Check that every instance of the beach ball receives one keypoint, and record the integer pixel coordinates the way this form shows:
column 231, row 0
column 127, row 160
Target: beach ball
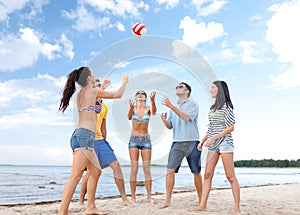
column 139, row 29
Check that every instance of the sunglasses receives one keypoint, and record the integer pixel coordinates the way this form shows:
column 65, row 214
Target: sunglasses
column 97, row 85
column 140, row 93
column 180, row 87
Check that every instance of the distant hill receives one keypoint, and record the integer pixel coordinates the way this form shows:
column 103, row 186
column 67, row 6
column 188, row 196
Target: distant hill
column 267, row 163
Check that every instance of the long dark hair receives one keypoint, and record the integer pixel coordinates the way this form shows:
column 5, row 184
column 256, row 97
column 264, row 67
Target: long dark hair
column 80, row 76
column 223, row 96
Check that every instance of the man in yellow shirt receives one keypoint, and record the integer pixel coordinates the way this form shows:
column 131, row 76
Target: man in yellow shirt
column 105, row 155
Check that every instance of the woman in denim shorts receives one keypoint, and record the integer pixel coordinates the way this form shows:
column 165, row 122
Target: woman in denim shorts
column 140, row 142
column 220, row 143
column 82, row 140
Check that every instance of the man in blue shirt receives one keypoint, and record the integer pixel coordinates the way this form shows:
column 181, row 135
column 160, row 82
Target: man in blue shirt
column 183, row 119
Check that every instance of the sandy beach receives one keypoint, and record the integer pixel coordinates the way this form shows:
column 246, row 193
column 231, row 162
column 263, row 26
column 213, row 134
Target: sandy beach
column 266, row 200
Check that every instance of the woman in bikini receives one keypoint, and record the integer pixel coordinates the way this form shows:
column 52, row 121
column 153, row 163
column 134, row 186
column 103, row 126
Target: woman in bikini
column 82, row 139
column 140, row 142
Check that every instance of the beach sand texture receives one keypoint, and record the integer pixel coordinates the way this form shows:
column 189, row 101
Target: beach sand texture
column 263, row 200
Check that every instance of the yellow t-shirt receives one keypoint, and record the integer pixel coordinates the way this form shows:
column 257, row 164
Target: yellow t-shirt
column 100, row 117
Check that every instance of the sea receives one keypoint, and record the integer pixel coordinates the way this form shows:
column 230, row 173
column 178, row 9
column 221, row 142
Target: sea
column 25, row 184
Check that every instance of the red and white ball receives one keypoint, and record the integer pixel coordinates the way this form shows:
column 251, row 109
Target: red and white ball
column 139, row 29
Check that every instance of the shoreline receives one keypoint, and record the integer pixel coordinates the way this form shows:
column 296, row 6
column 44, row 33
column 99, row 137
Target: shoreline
column 268, row 200
column 175, row 191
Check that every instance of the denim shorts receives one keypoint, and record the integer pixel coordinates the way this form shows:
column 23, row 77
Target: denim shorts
column 104, row 153
column 140, row 142
column 226, row 146
column 187, row 149
column 82, row 138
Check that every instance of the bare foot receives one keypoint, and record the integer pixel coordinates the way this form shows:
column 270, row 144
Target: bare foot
column 165, row 205
column 133, row 199
column 80, row 202
column 198, row 208
column 151, row 200
column 237, row 213
column 126, row 203
column 94, row 211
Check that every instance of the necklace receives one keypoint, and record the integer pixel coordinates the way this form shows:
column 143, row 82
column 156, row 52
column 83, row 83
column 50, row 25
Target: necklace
column 213, row 111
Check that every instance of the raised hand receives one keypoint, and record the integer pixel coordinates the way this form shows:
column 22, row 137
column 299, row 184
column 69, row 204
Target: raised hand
column 152, row 96
column 105, row 84
column 165, row 101
column 131, row 104
column 125, row 78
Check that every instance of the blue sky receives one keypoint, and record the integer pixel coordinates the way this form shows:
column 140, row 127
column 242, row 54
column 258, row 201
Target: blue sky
column 252, row 44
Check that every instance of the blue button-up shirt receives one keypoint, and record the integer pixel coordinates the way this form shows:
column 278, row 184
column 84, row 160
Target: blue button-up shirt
column 182, row 130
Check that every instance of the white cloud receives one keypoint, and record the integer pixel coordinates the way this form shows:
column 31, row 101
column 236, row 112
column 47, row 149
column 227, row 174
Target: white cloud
column 123, row 8
column 118, row 25
column 23, row 50
column 288, row 79
column 249, row 52
column 86, row 21
column 207, row 7
column 35, row 10
column 222, row 57
column 256, row 18
column 169, row 3
column 36, row 89
column 68, row 46
column 143, row 5
column 245, row 148
column 7, row 7
column 227, row 53
column 48, row 116
column 195, row 33
column 30, row 100
column 87, row 13
column 283, row 35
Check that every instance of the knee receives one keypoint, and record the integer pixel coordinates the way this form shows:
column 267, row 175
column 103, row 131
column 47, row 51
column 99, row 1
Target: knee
column 116, row 169
column 134, row 169
column 134, row 165
column 231, row 178
column 115, row 164
column 197, row 176
column 96, row 172
column 75, row 177
column 208, row 175
column 147, row 170
column 170, row 172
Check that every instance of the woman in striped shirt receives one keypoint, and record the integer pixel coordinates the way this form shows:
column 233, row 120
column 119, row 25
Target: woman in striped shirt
column 219, row 142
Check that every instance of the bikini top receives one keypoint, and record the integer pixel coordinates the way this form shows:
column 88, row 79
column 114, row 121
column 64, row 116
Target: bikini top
column 145, row 117
column 96, row 107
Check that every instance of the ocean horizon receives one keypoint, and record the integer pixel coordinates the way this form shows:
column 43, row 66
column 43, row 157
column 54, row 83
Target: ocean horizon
column 26, row 184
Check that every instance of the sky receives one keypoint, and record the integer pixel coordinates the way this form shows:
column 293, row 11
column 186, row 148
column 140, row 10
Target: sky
column 253, row 45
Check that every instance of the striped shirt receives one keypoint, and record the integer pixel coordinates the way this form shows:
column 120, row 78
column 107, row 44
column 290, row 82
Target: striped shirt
column 218, row 122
